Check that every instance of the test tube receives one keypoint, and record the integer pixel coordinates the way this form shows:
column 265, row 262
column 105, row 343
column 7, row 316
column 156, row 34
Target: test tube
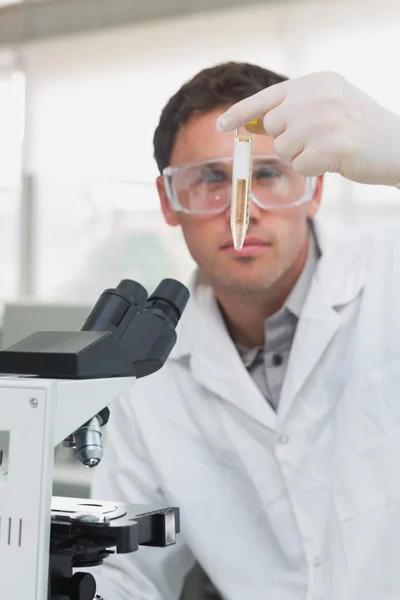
column 241, row 187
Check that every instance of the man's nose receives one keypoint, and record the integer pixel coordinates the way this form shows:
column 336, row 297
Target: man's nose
column 255, row 210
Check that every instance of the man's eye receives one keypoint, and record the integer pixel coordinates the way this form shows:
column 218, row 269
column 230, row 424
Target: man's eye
column 267, row 173
column 212, row 177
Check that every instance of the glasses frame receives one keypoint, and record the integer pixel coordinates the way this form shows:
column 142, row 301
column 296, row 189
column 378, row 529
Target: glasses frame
column 168, row 172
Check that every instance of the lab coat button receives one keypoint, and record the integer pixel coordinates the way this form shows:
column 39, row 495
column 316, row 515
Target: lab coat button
column 283, row 439
column 277, row 360
column 317, row 561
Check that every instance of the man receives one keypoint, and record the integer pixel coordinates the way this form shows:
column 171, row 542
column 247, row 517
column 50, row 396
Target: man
column 275, row 424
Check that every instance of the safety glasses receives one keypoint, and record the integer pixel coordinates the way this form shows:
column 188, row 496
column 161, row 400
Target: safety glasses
column 205, row 187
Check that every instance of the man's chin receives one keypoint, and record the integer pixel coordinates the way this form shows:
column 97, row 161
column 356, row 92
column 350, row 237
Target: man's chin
column 245, row 259
column 242, row 283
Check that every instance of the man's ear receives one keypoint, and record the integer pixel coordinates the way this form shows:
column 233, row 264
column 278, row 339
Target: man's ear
column 170, row 215
column 316, row 201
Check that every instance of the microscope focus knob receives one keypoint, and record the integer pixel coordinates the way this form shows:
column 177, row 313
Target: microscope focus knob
column 82, row 586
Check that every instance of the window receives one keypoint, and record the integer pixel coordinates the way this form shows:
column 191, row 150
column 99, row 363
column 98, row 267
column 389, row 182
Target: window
column 12, row 96
column 90, row 236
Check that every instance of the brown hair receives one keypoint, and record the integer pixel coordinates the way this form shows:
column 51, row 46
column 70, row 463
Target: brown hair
column 217, row 86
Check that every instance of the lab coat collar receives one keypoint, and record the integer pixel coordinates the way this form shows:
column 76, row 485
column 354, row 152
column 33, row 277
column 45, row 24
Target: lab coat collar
column 214, row 360
column 338, row 280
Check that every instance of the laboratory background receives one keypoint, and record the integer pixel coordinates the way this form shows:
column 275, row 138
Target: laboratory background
column 82, row 84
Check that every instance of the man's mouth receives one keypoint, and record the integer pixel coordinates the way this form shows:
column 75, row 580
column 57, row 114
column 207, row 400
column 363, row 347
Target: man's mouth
column 252, row 246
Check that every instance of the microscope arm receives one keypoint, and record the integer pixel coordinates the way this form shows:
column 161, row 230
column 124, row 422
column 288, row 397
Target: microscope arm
column 79, row 400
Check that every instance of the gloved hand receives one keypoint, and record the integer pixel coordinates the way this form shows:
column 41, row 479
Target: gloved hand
column 321, row 123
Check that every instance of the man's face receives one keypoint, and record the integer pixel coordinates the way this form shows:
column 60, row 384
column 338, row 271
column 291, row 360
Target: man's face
column 275, row 238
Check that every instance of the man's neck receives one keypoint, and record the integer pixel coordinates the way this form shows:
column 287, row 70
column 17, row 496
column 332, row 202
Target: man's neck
column 245, row 313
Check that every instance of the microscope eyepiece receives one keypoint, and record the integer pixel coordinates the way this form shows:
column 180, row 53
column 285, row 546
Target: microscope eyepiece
column 114, row 305
column 171, row 297
column 133, row 290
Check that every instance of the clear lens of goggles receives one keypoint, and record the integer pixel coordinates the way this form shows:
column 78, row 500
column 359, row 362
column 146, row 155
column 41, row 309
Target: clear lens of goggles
column 205, row 188
column 309, row 191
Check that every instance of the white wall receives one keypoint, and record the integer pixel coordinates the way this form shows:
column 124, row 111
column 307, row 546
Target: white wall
column 12, row 108
column 94, row 100
column 98, row 99
column 11, row 137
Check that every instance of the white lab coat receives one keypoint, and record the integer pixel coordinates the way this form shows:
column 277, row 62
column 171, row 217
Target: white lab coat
column 299, row 505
